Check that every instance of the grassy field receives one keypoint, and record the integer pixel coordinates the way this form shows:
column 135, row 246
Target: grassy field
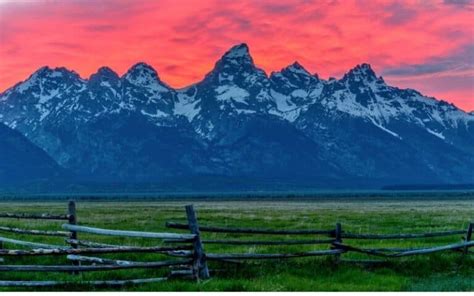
column 446, row 271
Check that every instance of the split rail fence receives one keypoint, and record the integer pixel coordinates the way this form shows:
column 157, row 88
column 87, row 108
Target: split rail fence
column 188, row 257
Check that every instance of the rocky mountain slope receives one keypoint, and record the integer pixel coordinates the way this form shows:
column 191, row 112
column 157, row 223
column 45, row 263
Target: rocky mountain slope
column 20, row 160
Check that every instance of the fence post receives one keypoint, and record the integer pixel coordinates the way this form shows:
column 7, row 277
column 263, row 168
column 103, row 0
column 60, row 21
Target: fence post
column 1, row 247
column 338, row 239
column 72, row 219
column 200, row 269
column 468, row 236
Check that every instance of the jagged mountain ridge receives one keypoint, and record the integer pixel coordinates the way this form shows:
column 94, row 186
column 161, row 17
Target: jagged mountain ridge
column 226, row 124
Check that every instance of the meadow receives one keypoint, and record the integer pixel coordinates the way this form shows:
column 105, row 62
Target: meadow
column 446, row 271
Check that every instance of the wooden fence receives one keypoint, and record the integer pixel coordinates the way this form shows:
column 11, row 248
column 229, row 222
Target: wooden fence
column 188, row 258
column 332, row 237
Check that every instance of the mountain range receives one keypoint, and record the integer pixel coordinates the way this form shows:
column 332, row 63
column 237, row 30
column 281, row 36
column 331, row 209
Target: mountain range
column 239, row 125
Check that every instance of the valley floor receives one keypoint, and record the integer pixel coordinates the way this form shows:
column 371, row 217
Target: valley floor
column 438, row 272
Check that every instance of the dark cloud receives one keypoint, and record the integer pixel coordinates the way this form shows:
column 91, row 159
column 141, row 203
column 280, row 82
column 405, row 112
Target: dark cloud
column 336, row 30
column 336, row 49
column 460, row 60
column 400, row 14
column 288, row 7
column 11, row 50
column 171, row 68
column 81, row 9
column 65, row 45
column 101, row 28
column 460, row 3
column 214, row 23
column 183, row 40
column 277, row 8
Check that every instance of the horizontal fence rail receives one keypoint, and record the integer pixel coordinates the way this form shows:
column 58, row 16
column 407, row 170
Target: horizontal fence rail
column 248, row 230
column 87, row 283
column 69, row 268
column 113, row 261
column 34, row 232
column 178, row 253
column 34, row 216
column 274, row 256
column 402, row 236
column 69, row 251
column 141, row 234
column 89, row 244
column 29, row 244
column 98, row 260
column 266, row 243
column 407, row 252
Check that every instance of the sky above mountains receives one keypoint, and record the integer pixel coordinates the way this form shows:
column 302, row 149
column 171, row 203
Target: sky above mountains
column 426, row 45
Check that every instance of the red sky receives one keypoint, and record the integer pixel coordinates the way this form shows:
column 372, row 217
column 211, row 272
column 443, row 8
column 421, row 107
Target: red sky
column 426, row 45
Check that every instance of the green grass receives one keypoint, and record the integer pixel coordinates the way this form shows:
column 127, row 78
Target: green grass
column 447, row 271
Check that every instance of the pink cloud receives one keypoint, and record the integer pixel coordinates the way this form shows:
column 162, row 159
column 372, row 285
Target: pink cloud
column 183, row 39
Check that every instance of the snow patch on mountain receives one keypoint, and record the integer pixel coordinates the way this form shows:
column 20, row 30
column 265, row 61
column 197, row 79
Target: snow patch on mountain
column 299, row 93
column 26, row 85
column 283, row 102
column 385, row 129
column 235, row 93
column 187, row 106
column 439, row 135
column 158, row 114
column 245, row 111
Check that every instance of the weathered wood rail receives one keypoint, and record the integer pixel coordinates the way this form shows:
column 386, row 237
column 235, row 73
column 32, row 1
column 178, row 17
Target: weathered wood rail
column 189, row 259
column 70, row 251
column 34, row 216
column 401, row 235
column 28, row 244
column 141, row 234
column 267, row 243
column 274, row 256
column 34, row 232
column 69, row 268
column 406, row 252
column 248, row 230
column 109, row 283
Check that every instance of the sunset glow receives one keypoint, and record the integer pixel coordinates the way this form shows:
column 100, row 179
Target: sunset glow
column 426, row 45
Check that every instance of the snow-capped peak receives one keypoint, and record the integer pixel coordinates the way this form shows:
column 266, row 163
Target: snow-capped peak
column 236, row 67
column 104, row 73
column 238, row 55
column 142, row 68
column 46, row 78
column 294, row 76
column 296, row 68
column 142, row 74
column 43, row 71
column 361, row 72
column 47, row 72
column 237, row 51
